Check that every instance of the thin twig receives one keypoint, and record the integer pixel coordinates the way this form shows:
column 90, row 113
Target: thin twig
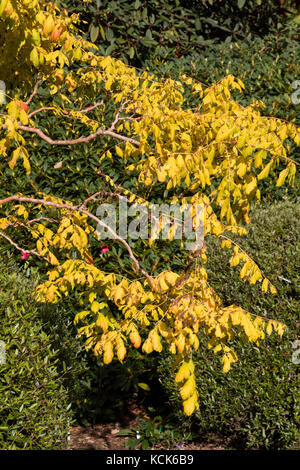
column 34, row 90
column 33, row 252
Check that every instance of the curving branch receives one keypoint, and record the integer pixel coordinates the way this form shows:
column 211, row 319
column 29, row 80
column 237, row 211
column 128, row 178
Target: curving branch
column 88, row 214
column 80, row 140
column 34, row 90
column 82, row 111
column 33, row 252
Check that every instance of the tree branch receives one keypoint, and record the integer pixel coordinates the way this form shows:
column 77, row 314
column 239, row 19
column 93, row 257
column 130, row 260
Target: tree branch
column 33, row 252
column 80, row 140
column 88, row 214
column 34, row 90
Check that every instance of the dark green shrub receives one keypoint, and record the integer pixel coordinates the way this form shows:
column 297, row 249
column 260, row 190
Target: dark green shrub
column 96, row 392
column 257, row 403
column 34, row 409
column 238, row 18
column 267, row 66
column 135, row 31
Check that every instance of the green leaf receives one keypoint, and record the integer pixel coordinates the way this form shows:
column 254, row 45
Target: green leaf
column 125, row 432
column 145, row 444
column 241, row 3
column 131, row 52
column 109, row 34
column 94, row 33
column 144, row 386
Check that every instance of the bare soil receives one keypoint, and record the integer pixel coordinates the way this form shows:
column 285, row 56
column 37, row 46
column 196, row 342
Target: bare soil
column 104, row 436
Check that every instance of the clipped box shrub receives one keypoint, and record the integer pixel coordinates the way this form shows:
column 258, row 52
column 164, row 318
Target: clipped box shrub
column 34, row 409
column 255, row 405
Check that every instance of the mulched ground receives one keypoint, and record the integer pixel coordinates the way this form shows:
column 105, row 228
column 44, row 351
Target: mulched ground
column 105, row 436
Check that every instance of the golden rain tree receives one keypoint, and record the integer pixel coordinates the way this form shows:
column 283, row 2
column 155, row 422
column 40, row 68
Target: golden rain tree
column 61, row 94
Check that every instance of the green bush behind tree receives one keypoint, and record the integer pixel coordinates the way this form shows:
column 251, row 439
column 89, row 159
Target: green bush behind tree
column 138, row 30
column 257, row 404
column 35, row 411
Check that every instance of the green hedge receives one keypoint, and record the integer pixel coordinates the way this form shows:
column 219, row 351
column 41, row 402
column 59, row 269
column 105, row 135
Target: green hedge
column 34, row 409
column 256, row 404
column 267, row 66
column 135, row 31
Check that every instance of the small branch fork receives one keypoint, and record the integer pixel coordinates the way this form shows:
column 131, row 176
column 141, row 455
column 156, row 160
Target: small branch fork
column 109, row 132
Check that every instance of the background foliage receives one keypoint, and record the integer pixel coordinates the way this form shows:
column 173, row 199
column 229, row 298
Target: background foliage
column 35, row 409
column 257, row 404
column 136, row 31
column 269, row 417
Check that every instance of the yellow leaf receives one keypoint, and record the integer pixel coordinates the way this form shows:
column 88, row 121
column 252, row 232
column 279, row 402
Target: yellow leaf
column 34, row 57
column 155, row 340
column 226, row 363
column 15, row 156
column 95, row 307
column 190, row 405
column 251, row 186
column 23, row 117
column 269, row 328
column 265, row 284
column 180, row 342
column 241, row 169
column 188, row 388
column 217, row 348
column 183, row 372
column 273, row 289
column 135, row 338
column 53, row 260
column 79, row 316
column 12, row 109
column 258, row 158
column 282, row 177
column 121, row 350
column 102, row 322
column 265, row 172
column 119, row 294
column 119, row 151
column 108, row 352
column 147, row 346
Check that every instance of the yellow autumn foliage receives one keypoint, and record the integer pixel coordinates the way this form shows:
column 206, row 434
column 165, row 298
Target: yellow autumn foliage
column 164, row 141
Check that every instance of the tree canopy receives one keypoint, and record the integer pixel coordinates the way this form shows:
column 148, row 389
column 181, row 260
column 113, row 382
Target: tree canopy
column 79, row 129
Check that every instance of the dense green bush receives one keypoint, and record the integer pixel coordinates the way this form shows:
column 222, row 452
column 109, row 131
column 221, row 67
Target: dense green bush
column 134, row 30
column 267, row 66
column 138, row 30
column 96, row 392
column 239, row 18
column 34, row 410
column 257, row 403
